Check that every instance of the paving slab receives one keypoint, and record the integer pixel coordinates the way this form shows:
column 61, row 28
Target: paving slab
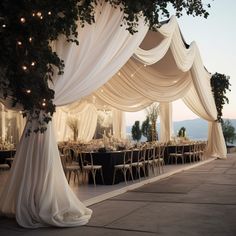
column 180, row 219
column 114, row 211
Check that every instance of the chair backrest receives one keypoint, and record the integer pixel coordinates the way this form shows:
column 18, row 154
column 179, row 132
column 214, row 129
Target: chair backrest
column 84, row 159
column 142, row 153
column 150, row 153
column 179, row 148
column 63, row 161
column 162, row 147
column 128, row 156
column 71, row 154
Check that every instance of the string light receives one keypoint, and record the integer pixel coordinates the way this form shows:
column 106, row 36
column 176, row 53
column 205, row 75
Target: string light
column 22, row 20
column 33, row 63
column 43, row 104
column 19, row 43
column 33, row 14
column 49, row 13
column 41, row 17
column 4, row 26
column 30, row 39
column 28, row 91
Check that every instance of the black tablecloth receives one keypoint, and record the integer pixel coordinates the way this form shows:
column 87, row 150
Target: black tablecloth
column 108, row 160
column 6, row 154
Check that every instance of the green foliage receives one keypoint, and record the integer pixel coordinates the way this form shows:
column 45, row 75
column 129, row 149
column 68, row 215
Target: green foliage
column 27, row 27
column 228, row 131
column 220, row 84
column 146, row 129
column 182, row 132
column 136, row 131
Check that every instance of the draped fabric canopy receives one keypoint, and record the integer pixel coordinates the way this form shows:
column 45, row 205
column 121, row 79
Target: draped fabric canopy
column 112, row 67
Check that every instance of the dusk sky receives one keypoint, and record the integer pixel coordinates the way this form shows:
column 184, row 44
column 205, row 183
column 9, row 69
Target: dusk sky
column 215, row 37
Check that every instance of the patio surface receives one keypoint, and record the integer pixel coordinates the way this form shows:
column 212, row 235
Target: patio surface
column 186, row 200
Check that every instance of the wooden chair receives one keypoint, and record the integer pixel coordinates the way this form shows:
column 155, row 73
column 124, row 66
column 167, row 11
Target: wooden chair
column 159, row 154
column 125, row 166
column 70, row 166
column 88, row 167
column 140, row 163
column 177, row 154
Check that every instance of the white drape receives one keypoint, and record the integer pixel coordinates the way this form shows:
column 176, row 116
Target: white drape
column 37, row 192
column 166, row 131
column 118, row 124
column 85, row 113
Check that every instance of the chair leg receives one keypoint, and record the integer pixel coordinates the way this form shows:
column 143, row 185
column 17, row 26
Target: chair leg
column 102, row 176
column 131, row 173
column 94, row 176
column 69, row 176
column 114, row 175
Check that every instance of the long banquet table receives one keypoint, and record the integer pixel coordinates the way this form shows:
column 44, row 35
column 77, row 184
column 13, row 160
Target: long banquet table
column 109, row 159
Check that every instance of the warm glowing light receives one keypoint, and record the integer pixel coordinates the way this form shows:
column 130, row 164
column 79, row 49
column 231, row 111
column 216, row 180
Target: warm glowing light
column 39, row 14
column 28, row 91
column 33, row 14
column 33, row 63
column 30, row 39
column 24, row 67
column 19, row 42
column 44, row 100
column 41, row 17
column 49, row 13
column 22, row 20
column 4, row 26
column 43, row 104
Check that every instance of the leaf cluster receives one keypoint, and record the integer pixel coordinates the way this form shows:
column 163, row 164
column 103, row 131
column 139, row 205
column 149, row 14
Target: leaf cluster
column 220, row 84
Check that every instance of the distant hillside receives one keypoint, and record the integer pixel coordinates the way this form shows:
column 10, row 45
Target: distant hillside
column 196, row 128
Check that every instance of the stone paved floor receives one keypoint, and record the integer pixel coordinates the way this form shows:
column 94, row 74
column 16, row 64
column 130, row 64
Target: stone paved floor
column 200, row 201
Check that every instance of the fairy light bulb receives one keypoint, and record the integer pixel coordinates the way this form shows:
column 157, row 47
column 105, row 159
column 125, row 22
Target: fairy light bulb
column 19, row 43
column 33, row 63
column 39, row 14
column 28, row 91
column 22, row 20
column 24, row 67
column 4, row 26
column 44, row 104
column 49, row 13
column 30, row 39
